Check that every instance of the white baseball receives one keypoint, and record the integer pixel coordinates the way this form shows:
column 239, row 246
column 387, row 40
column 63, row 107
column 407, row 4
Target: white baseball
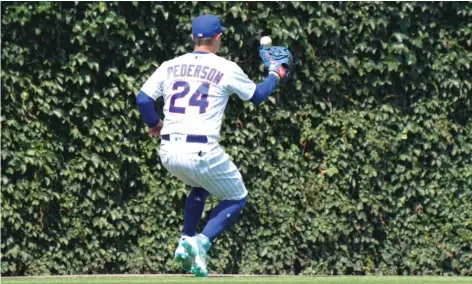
column 266, row 41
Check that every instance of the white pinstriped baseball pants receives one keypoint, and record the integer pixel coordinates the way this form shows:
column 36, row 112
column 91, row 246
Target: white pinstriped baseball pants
column 204, row 165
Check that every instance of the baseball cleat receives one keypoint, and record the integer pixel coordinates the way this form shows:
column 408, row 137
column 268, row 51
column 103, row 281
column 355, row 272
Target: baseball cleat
column 182, row 257
column 197, row 248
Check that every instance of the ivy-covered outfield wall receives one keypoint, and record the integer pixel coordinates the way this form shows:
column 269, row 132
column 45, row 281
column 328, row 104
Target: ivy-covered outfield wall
column 362, row 164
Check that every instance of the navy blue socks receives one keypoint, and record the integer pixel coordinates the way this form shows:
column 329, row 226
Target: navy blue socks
column 194, row 206
column 222, row 216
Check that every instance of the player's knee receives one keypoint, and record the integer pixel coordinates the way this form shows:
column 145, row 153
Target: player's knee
column 242, row 202
column 199, row 193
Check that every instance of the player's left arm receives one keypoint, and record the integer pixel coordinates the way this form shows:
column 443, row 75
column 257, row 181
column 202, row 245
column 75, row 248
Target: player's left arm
column 149, row 114
column 145, row 99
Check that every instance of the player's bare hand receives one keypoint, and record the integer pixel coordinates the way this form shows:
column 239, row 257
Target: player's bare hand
column 156, row 130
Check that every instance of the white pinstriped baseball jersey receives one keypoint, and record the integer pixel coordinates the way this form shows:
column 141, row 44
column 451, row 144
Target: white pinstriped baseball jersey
column 196, row 88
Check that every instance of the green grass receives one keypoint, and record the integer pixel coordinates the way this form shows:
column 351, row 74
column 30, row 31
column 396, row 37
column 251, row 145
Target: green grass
column 240, row 280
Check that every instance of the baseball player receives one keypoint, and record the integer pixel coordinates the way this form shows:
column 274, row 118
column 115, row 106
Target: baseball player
column 196, row 87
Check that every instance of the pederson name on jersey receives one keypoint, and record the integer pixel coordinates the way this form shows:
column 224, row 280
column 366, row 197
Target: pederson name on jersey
column 195, row 71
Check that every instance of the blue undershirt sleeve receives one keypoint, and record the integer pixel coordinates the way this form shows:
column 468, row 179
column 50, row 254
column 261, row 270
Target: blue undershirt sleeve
column 146, row 108
column 264, row 89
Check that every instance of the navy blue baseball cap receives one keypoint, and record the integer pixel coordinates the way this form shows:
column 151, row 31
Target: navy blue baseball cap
column 206, row 26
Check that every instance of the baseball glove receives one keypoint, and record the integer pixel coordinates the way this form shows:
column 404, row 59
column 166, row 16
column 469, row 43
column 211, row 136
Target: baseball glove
column 278, row 59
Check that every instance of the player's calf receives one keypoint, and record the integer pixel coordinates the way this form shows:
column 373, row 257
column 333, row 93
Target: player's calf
column 222, row 216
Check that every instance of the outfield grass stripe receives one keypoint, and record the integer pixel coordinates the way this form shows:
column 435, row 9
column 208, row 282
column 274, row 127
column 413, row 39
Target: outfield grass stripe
column 240, row 280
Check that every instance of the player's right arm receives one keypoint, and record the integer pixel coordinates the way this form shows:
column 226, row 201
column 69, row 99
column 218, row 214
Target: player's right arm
column 246, row 89
column 278, row 60
column 264, row 89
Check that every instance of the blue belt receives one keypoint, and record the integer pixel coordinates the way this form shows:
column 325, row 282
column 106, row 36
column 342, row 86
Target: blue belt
column 190, row 138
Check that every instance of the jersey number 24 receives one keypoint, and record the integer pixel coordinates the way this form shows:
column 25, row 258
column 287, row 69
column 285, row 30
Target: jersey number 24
column 198, row 99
